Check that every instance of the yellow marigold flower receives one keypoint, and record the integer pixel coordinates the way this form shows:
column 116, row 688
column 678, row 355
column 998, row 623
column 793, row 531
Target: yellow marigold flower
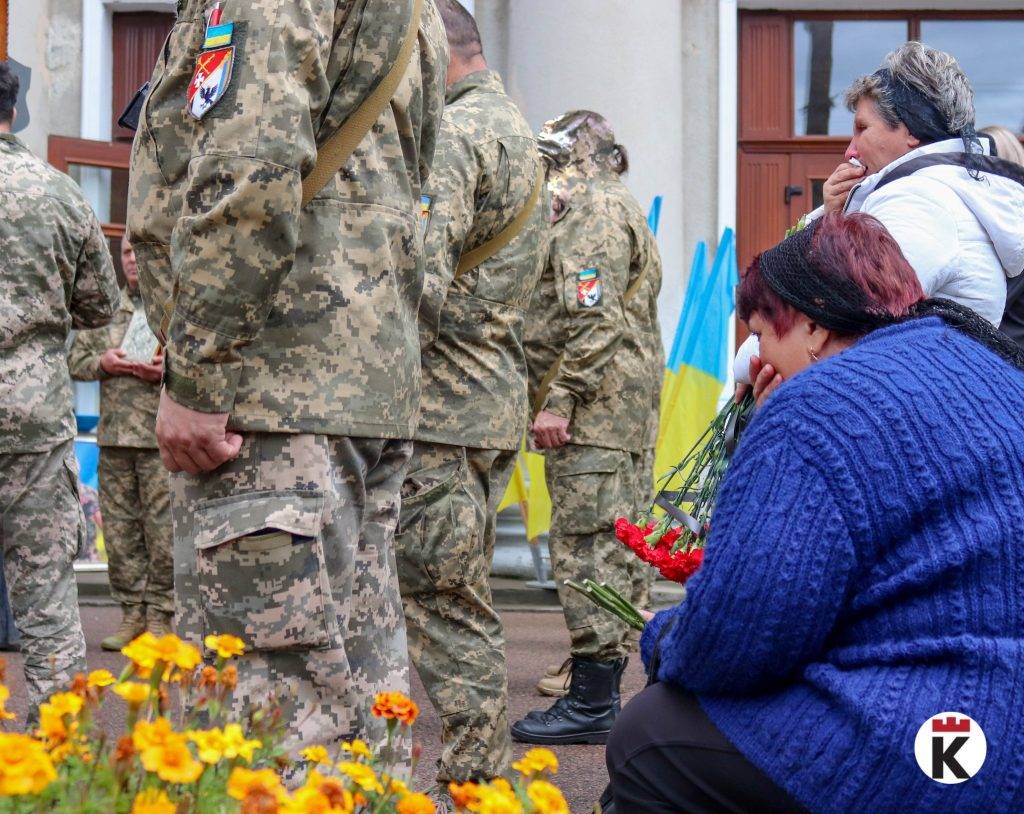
column 141, row 651
column 153, row 801
column 227, row 646
column 172, row 762
column 5, row 695
column 101, row 678
column 210, row 745
column 464, row 794
column 316, row 754
column 415, row 804
column 25, row 767
column 146, row 650
column 537, row 761
column 147, row 735
column 255, row 786
column 396, row 786
column 395, row 705
column 546, row 798
column 134, row 692
column 66, row 703
column 236, row 745
column 57, row 717
column 362, row 775
column 497, row 797
column 357, row 748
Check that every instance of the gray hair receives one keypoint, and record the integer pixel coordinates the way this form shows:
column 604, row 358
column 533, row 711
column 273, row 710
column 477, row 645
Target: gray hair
column 936, row 74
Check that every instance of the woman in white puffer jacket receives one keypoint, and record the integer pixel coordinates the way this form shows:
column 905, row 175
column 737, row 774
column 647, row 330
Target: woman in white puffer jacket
column 915, row 163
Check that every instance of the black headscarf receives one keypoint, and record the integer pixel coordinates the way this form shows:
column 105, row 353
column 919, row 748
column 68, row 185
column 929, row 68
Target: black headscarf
column 924, row 120
column 837, row 303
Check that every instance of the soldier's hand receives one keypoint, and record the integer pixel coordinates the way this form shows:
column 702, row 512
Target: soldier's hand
column 550, row 431
column 153, row 371
column 114, row 364
column 836, row 189
column 193, row 441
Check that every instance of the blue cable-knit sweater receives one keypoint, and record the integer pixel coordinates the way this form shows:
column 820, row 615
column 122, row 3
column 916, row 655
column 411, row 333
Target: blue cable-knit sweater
column 865, row 571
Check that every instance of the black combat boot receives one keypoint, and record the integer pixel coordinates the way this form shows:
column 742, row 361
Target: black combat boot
column 585, row 715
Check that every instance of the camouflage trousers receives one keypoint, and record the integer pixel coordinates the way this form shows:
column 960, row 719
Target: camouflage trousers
column 456, row 640
column 291, row 548
column 41, row 529
column 135, row 502
column 643, row 574
column 590, row 488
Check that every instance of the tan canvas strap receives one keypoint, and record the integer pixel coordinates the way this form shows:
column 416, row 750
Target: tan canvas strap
column 337, row 150
column 485, row 251
column 549, row 377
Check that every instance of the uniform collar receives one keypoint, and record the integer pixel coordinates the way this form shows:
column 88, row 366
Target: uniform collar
column 487, row 81
column 13, row 139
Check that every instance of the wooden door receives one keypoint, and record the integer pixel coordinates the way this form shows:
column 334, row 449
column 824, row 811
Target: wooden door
column 3, row 29
column 138, row 37
column 807, row 175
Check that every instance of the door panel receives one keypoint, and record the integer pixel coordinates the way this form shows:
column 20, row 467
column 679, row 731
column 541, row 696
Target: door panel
column 808, row 172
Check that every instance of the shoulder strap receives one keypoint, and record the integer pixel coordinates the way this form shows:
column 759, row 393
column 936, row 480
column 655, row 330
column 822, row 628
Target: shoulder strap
column 334, row 152
column 485, row 251
column 983, row 163
column 549, row 377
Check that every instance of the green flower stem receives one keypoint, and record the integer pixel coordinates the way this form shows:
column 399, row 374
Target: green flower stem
column 611, row 602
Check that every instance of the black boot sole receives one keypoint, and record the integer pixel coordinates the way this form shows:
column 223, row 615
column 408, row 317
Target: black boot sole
column 588, row 739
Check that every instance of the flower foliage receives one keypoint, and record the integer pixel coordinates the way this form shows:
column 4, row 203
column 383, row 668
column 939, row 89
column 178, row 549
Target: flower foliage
column 207, row 762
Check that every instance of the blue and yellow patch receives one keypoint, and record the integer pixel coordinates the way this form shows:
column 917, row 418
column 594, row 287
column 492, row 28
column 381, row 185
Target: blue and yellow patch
column 588, row 287
column 217, row 36
column 426, row 202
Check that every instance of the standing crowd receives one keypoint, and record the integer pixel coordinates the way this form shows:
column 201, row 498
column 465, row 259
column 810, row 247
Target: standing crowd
column 354, row 279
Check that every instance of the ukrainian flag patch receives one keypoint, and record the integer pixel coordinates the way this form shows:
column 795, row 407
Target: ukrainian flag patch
column 588, row 287
column 218, row 36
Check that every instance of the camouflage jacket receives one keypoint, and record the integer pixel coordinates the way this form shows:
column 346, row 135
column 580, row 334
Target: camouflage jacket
column 128, row 405
column 291, row 318
column 474, row 367
column 609, row 381
column 55, row 275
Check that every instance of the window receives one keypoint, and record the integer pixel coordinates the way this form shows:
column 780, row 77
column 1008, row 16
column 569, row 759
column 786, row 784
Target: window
column 827, row 56
column 990, row 53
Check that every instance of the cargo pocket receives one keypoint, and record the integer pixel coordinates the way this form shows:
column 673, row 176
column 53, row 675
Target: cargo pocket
column 261, row 571
column 591, row 493
column 437, row 530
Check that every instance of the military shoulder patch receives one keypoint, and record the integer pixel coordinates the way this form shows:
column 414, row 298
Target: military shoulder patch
column 588, row 287
column 210, row 80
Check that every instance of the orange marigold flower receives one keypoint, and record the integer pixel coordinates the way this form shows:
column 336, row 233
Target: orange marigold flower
column 229, row 677
column 225, row 645
column 262, row 787
column 395, row 705
column 464, row 794
column 546, row 798
column 415, row 804
column 148, row 734
column 332, row 788
column 25, row 767
column 153, row 801
column 125, row 749
column 208, row 678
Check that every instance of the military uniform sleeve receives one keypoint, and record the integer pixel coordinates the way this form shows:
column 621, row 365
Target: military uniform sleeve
column 84, row 355
column 236, row 238
column 592, row 258
column 452, row 192
column 95, row 296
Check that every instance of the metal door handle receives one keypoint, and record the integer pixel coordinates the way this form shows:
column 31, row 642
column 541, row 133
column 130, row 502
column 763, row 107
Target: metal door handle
column 791, row 192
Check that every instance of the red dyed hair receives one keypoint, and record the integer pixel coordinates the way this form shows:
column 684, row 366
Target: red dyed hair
column 856, row 247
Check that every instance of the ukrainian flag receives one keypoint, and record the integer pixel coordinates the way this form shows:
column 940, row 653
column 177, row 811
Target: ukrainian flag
column 697, row 367
column 219, row 35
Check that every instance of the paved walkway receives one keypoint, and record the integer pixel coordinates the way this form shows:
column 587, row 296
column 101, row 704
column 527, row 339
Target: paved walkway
column 535, row 639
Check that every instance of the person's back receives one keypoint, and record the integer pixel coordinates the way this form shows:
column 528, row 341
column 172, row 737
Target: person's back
column 876, row 504
column 56, row 275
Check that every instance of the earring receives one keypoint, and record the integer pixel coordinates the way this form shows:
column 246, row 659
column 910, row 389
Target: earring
column 813, row 355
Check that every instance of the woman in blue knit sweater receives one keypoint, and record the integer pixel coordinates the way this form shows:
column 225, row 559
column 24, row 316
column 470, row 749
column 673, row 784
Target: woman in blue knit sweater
column 865, row 568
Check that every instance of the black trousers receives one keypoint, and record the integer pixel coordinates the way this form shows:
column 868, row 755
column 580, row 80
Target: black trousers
column 665, row 756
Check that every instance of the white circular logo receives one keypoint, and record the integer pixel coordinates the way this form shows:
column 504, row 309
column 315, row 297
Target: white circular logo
column 950, row 747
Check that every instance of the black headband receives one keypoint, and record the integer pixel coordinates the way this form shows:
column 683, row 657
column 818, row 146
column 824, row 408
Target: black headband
column 923, row 119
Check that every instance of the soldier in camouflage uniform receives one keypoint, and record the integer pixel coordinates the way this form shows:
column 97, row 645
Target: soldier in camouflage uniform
column 55, row 275
column 134, row 495
column 474, row 404
column 593, row 336
column 292, row 350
